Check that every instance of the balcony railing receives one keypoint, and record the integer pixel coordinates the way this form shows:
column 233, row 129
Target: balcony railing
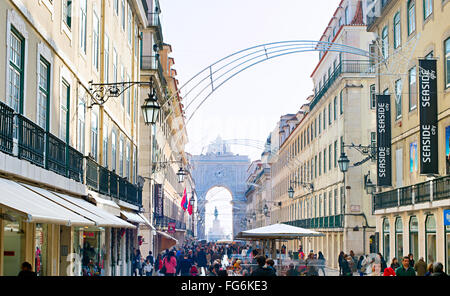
column 155, row 22
column 163, row 222
column 149, row 63
column 437, row 189
column 376, row 11
column 319, row 222
column 57, row 156
column 6, row 128
column 46, row 150
column 346, row 66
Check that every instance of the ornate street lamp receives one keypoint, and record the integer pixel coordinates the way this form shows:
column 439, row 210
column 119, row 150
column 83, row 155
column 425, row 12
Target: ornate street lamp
column 254, row 216
column 343, row 162
column 181, row 173
column 370, row 187
column 291, row 192
column 150, row 109
column 266, row 210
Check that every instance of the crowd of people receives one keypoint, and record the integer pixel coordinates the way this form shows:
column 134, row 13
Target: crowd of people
column 376, row 265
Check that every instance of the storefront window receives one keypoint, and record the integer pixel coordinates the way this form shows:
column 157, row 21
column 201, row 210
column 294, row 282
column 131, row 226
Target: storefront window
column 14, row 243
column 386, row 240
column 399, row 238
column 430, row 232
column 414, row 237
column 447, row 256
column 41, row 249
column 93, row 252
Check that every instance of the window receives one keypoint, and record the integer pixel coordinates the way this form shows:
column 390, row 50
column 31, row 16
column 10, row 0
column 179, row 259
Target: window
column 341, row 101
column 64, row 111
column 335, row 108
column 427, row 8
column 335, row 154
column 81, row 124
column 105, row 143
column 320, row 163
column 116, row 6
column 94, row 135
column 373, row 98
column 385, row 42
column 95, row 41
column 430, row 241
column 335, row 201
column 44, row 93
column 320, row 206
column 130, row 26
column 123, row 15
column 83, row 24
column 106, row 57
column 412, row 89
column 324, row 119
column 113, row 151
column 447, row 62
column 16, row 71
column 114, row 65
column 129, row 97
column 67, row 12
column 320, row 123
column 397, row 30
column 386, row 240
column 329, row 114
column 399, row 238
column 325, row 160
column 347, row 16
column 122, row 78
column 121, row 156
column 411, row 16
column 414, row 236
column 315, row 166
column 128, row 173
column 398, row 99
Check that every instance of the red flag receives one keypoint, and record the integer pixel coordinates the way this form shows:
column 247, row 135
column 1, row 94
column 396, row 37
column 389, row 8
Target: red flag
column 184, row 200
column 189, row 208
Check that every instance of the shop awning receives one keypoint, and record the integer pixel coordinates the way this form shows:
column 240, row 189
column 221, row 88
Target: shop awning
column 135, row 218
column 38, row 208
column 106, row 219
column 98, row 220
column 107, row 205
column 146, row 221
column 167, row 241
column 277, row 231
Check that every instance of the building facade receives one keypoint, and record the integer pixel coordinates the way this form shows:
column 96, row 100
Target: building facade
column 60, row 149
column 341, row 111
column 410, row 213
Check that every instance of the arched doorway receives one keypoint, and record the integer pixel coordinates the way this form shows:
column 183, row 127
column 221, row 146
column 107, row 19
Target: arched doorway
column 218, row 214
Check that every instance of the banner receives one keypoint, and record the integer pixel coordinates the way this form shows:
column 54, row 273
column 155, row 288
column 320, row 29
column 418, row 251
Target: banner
column 384, row 157
column 171, row 227
column 428, row 117
column 447, row 149
column 158, row 195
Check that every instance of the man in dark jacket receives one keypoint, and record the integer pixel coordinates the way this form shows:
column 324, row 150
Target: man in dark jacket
column 150, row 258
column 405, row 269
column 26, row 271
column 438, row 269
column 184, row 265
column 420, row 267
column 201, row 259
column 261, row 270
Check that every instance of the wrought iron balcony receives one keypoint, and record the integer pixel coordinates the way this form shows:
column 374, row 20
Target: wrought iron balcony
column 114, row 184
column 103, row 186
column 319, row 222
column 437, row 189
column 56, row 156
column 155, row 22
column 92, row 172
column 163, row 222
column 31, row 141
column 6, row 128
column 153, row 63
column 75, row 165
column 346, row 66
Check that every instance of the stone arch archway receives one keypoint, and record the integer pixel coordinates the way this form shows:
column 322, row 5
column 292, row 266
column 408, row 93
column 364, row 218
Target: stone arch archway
column 221, row 168
column 218, row 198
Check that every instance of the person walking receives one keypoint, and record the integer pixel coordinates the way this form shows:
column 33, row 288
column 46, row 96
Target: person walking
column 311, row 265
column 148, row 268
column 438, row 270
column 354, row 264
column 201, row 259
column 340, row 262
column 359, row 266
column 389, row 271
column 394, row 263
column 158, row 265
column 405, row 269
column 346, row 270
column 292, row 271
column 261, row 270
column 26, row 271
column 420, row 267
column 411, row 260
column 136, row 264
column 170, row 264
column 184, row 266
column 271, row 264
column 150, row 258
column 321, row 263
column 383, row 262
column 429, row 269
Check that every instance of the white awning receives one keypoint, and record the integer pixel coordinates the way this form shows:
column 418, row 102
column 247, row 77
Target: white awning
column 165, row 235
column 135, row 218
column 146, row 221
column 106, row 219
column 107, row 205
column 277, row 231
column 38, row 208
column 98, row 220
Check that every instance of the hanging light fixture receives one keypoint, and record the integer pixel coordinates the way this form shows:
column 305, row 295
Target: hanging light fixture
column 343, row 162
column 150, row 108
column 291, row 192
column 181, row 173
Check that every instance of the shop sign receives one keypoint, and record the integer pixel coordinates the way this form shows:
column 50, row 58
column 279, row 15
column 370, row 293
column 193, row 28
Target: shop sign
column 9, row 253
column 159, row 200
column 447, row 217
column 384, row 140
column 428, row 117
column 171, row 227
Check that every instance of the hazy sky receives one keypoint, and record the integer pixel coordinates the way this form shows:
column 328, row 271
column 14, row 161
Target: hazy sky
column 250, row 104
